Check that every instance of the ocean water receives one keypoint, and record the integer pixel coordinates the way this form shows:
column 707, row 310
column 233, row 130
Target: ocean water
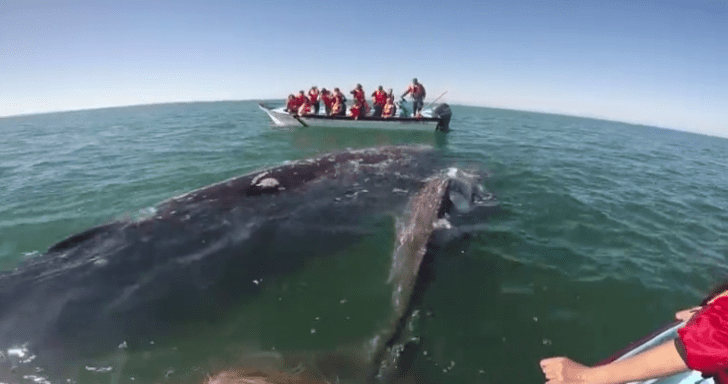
column 602, row 231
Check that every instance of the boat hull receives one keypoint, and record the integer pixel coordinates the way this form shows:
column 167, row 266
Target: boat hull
column 284, row 119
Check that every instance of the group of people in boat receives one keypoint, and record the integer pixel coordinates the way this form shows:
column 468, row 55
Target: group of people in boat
column 304, row 104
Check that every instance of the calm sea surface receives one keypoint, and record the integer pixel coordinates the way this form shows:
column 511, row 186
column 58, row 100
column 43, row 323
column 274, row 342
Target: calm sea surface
column 603, row 231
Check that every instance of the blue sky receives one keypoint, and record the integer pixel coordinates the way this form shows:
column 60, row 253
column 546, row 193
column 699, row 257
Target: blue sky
column 661, row 63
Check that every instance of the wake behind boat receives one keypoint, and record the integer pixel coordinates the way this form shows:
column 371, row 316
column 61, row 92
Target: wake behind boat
column 435, row 119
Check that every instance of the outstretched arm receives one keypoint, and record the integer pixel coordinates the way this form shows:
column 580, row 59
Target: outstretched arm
column 686, row 314
column 662, row 360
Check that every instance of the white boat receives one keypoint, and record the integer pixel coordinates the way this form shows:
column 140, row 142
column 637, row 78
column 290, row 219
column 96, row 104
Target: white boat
column 658, row 337
column 435, row 119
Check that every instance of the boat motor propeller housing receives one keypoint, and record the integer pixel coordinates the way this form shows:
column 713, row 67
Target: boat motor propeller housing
column 444, row 113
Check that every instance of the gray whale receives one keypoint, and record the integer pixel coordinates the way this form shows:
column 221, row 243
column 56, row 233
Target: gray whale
column 197, row 254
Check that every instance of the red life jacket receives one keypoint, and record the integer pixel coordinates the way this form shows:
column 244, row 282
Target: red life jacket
column 300, row 99
column 359, row 95
column 355, row 111
column 305, row 109
column 380, row 98
column 327, row 99
column 417, row 90
column 705, row 340
column 292, row 105
column 313, row 95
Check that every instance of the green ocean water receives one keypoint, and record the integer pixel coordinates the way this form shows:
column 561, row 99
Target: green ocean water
column 603, row 231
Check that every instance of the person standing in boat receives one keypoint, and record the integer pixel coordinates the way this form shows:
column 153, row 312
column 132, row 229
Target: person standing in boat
column 341, row 100
column 379, row 99
column 417, row 91
column 328, row 100
column 389, row 110
column 702, row 345
column 313, row 95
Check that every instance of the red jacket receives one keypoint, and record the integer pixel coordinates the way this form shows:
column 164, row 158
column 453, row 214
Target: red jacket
column 703, row 341
column 292, row 105
column 417, row 90
column 300, row 99
column 359, row 95
column 355, row 111
column 313, row 95
column 328, row 99
column 305, row 108
column 380, row 97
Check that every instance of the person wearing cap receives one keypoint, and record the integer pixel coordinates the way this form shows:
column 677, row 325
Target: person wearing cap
column 379, row 99
column 417, row 91
column 313, row 96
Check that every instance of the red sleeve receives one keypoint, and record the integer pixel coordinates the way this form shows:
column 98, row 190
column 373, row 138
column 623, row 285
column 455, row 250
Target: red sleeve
column 705, row 338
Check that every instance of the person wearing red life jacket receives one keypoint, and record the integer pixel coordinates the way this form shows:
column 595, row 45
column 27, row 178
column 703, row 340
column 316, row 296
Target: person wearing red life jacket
column 313, row 95
column 341, row 99
column 417, row 91
column 702, row 345
column 306, row 108
column 360, row 96
column 379, row 99
column 356, row 111
column 300, row 98
column 328, row 99
column 292, row 104
column 389, row 109
column 358, row 93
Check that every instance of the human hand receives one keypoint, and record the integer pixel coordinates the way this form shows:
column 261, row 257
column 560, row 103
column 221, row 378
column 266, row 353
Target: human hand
column 686, row 314
column 562, row 370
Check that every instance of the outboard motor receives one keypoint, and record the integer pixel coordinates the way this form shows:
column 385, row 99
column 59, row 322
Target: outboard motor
column 444, row 113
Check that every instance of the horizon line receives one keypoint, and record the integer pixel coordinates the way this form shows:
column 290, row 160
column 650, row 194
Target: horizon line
column 462, row 104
